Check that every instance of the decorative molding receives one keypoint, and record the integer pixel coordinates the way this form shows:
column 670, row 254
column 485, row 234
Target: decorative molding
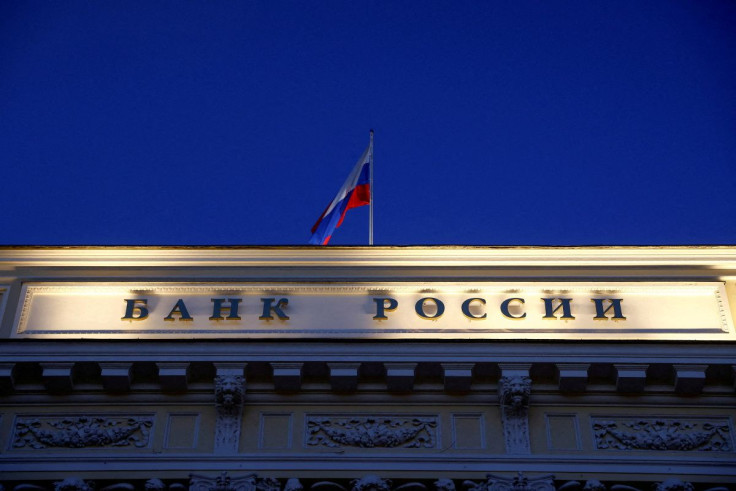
column 363, row 431
column 73, row 484
column 674, row 484
column 229, row 397
column 712, row 435
column 268, row 484
column 709, row 258
column 513, row 394
column 80, row 431
column 223, row 482
column 370, row 483
column 293, row 484
column 444, row 484
column 518, row 483
column 155, row 484
column 671, row 484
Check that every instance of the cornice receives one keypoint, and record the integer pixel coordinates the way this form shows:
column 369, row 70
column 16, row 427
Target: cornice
column 364, row 351
column 705, row 257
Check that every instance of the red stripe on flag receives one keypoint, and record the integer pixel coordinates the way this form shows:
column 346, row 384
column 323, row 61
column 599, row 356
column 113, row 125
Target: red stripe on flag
column 360, row 196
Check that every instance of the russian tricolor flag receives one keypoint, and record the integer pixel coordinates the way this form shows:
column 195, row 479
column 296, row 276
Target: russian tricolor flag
column 355, row 192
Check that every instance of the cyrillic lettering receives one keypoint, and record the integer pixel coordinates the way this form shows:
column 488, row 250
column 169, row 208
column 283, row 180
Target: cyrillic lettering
column 179, row 309
column 268, row 307
column 615, row 304
column 466, row 308
column 549, row 312
column 217, row 309
column 383, row 305
column 419, row 308
column 135, row 306
column 505, row 308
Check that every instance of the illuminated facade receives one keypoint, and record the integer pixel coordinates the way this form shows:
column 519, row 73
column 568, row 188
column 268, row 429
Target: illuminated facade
column 381, row 368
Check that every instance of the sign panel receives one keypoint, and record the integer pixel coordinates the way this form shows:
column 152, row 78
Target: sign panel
column 503, row 310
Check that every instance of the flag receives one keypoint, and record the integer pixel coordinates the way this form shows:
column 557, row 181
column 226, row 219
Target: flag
column 355, row 192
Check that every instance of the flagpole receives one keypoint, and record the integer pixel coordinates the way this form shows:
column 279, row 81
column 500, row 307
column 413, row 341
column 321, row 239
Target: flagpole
column 370, row 228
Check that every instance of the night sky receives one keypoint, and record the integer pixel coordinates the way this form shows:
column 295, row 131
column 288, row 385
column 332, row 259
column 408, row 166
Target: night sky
column 496, row 123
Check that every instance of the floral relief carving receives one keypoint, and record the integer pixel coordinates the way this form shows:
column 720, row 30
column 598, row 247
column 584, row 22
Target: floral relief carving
column 518, row 483
column 663, row 434
column 372, row 431
column 223, row 482
column 371, row 483
column 674, row 484
column 73, row 484
column 253, row 482
column 82, row 431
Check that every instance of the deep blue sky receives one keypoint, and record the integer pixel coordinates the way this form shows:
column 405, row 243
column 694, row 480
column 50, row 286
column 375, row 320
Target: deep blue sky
column 497, row 123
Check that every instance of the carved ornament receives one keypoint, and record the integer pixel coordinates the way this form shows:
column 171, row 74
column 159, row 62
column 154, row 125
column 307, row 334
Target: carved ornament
column 371, row 483
column 229, row 397
column 73, row 484
column 518, row 483
column 82, row 431
column 663, row 434
column 370, row 432
column 229, row 390
column 513, row 395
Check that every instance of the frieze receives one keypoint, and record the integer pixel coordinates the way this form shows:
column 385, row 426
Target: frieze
column 712, row 435
column 372, row 431
column 253, row 482
column 81, row 431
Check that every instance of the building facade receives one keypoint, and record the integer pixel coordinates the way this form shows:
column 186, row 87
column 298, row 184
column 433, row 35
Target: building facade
column 367, row 368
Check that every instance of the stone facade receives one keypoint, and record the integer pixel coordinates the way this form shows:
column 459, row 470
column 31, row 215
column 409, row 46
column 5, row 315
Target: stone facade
column 275, row 414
